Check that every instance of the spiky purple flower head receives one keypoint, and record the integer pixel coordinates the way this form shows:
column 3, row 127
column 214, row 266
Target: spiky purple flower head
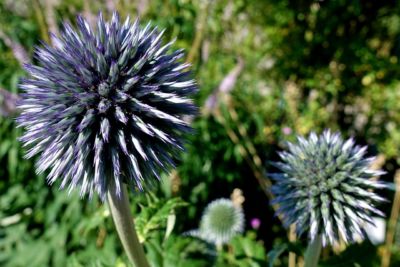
column 325, row 188
column 105, row 106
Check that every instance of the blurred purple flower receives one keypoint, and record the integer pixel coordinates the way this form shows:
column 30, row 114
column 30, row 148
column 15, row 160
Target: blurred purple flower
column 286, row 130
column 255, row 223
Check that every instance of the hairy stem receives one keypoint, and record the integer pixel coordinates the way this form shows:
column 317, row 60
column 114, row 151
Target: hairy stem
column 312, row 253
column 120, row 211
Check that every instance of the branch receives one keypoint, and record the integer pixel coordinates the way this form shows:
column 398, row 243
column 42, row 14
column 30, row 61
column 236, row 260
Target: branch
column 8, row 103
column 18, row 50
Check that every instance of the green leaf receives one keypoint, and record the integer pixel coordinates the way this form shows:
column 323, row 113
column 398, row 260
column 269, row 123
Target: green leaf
column 155, row 215
column 276, row 252
column 243, row 251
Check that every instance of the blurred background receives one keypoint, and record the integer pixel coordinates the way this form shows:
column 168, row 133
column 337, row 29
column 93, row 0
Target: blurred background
column 267, row 70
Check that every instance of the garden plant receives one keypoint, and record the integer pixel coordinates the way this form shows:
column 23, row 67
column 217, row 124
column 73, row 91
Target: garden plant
column 199, row 133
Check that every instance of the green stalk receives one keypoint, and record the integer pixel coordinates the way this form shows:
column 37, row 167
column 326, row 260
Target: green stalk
column 121, row 213
column 312, row 253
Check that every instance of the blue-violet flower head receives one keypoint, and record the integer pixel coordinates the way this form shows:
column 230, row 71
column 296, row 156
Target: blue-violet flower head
column 106, row 105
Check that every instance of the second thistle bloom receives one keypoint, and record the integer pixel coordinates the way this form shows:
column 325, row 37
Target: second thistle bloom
column 325, row 187
column 105, row 106
column 221, row 221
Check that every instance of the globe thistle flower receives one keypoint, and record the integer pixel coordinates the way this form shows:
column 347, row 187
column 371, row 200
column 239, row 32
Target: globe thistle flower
column 105, row 106
column 221, row 221
column 325, row 188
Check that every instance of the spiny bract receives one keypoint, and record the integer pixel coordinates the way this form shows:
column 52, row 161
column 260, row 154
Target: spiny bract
column 221, row 221
column 106, row 106
column 325, row 188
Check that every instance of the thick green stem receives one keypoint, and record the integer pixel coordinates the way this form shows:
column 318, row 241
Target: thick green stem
column 121, row 213
column 312, row 253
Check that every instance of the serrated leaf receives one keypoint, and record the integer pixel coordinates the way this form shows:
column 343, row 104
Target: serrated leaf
column 155, row 215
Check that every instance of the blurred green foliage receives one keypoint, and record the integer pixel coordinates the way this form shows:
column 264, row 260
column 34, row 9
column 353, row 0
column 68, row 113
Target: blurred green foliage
column 306, row 65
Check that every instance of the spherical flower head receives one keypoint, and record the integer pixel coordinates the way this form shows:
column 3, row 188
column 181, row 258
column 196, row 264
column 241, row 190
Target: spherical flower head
column 106, row 106
column 325, row 188
column 221, row 221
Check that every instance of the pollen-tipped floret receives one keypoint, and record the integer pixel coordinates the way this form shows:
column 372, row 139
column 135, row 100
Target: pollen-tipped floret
column 221, row 221
column 105, row 106
column 325, row 188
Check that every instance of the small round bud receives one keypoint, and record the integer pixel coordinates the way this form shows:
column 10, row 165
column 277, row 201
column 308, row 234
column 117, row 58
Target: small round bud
column 221, row 221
